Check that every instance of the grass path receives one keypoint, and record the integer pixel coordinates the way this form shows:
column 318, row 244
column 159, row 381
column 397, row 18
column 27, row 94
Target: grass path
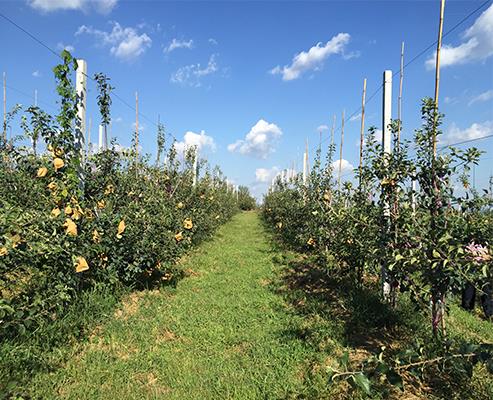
column 223, row 333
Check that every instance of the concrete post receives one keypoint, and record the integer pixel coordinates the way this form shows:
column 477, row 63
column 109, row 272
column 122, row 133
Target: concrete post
column 101, row 138
column 81, row 90
column 386, row 146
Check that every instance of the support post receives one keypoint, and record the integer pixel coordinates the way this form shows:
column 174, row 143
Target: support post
column 195, row 166
column 362, row 131
column 386, row 146
column 437, row 72
column 81, row 90
column 399, row 103
column 305, row 165
column 136, row 128
column 340, row 151
column 101, row 138
column 5, row 107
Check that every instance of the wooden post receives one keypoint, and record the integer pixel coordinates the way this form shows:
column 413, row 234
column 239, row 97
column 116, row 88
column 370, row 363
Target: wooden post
column 437, row 73
column 305, row 165
column 340, row 151
column 362, row 131
column 333, row 131
column 81, row 90
column 5, row 107
column 195, row 166
column 399, row 103
column 136, row 128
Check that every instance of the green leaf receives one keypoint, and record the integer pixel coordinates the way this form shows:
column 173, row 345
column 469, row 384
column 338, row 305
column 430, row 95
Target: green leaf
column 395, row 379
column 362, row 381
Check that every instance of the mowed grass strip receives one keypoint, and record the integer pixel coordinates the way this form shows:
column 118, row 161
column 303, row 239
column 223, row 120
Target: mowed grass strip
column 223, row 333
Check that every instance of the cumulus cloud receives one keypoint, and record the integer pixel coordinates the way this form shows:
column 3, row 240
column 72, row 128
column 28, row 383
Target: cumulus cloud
column 346, row 167
column 314, row 58
column 100, row 6
column 485, row 96
column 192, row 139
column 178, row 44
column 323, row 128
column 259, row 142
column 213, row 41
column 36, row 74
column 191, row 75
column 477, row 44
column 125, row 43
column 477, row 130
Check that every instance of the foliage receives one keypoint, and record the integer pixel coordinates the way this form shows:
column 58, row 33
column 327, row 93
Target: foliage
column 69, row 223
column 430, row 242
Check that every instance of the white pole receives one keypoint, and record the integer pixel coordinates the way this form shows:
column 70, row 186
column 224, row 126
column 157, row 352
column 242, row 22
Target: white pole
column 35, row 97
column 80, row 87
column 195, row 164
column 101, row 135
column 413, row 195
column 387, row 111
column 386, row 145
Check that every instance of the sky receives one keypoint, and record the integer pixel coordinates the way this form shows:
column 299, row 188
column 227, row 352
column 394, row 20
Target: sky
column 249, row 82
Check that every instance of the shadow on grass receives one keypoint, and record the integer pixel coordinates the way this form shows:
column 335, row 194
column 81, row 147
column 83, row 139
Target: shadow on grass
column 338, row 313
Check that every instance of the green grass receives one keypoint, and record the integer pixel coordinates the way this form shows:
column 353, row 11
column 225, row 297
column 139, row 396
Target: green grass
column 223, row 333
column 249, row 321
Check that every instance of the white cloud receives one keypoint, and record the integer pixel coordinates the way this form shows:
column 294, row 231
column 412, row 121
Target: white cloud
column 191, row 75
column 178, row 44
column 36, row 74
column 485, row 96
column 259, row 142
column 68, row 47
column 477, row 44
column 191, row 139
column 312, row 59
column 323, row 128
column 346, row 167
column 100, row 6
column 475, row 131
column 213, row 41
column 265, row 175
column 125, row 43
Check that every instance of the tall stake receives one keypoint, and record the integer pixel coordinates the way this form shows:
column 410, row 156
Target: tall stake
column 88, row 143
column 399, row 103
column 333, row 131
column 437, row 73
column 386, row 147
column 5, row 107
column 136, row 128
column 305, row 164
column 80, row 87
column 340, row 152
column 362, row 131
column 35, row 97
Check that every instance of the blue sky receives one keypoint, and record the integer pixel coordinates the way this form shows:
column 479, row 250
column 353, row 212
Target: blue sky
column 250, row 81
